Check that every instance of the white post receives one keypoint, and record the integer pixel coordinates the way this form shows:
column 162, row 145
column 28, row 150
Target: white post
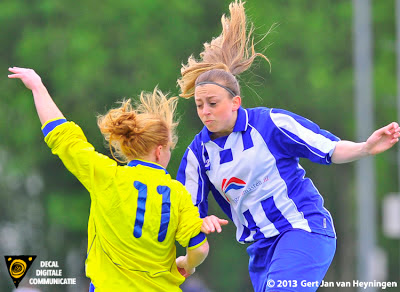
column 397, row 17
column 365, row 175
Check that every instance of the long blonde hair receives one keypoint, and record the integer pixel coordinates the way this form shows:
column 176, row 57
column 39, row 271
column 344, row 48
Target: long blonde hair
column 227, row 55
column 133, row 130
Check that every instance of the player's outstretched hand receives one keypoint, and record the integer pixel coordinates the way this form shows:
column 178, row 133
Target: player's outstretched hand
column 383, row 139
column 28, row 76
column 212, row 223
column 181, row 262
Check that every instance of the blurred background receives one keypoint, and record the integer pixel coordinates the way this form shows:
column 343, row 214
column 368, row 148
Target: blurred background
column 91, row 54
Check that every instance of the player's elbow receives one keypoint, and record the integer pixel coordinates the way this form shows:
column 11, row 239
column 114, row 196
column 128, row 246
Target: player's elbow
column 199, row 254
column 204, row 249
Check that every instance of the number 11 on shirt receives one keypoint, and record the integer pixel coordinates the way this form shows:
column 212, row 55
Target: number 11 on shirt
column 141, row 209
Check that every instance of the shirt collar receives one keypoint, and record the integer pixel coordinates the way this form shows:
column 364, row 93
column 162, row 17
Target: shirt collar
column 241, row 121
column 240, row 125
column 136, row 162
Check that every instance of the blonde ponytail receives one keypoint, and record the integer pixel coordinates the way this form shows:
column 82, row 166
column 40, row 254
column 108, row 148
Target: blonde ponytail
column 133, row 130
column 232, row 51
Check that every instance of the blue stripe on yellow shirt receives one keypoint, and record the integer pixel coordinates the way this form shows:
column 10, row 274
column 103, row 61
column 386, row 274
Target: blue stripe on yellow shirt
column 197, row 241
column 51, row 124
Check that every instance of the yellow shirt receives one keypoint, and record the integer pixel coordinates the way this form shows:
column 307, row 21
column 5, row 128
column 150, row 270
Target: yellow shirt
column 137, row 213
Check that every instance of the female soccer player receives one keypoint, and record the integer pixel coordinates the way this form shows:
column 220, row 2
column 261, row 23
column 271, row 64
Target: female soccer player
column 137, row 210
column 249, row 160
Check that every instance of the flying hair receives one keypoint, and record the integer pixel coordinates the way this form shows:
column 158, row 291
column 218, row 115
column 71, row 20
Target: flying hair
column 231, row 52
column 132, row 131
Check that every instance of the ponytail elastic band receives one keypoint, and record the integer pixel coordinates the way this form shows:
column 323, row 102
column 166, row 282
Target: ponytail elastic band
column 220, row 85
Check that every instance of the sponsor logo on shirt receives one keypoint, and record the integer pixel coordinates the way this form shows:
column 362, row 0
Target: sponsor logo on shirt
column 237, row 184
column 252, row 188
column 255, row 186
column 233, row 183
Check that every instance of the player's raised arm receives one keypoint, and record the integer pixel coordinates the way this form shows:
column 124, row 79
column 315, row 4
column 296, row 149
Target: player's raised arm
column 45, row 106
column 380, row 141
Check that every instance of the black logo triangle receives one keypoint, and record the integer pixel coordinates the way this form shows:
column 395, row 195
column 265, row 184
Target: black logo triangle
column 17, row 266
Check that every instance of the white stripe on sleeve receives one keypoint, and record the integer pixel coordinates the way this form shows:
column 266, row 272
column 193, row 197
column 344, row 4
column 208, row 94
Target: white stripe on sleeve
column 312, row 139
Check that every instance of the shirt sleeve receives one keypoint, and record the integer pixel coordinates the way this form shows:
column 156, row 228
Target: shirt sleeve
column 188, row 232
column 300, row 137
column 66, row 140
column 193, row 176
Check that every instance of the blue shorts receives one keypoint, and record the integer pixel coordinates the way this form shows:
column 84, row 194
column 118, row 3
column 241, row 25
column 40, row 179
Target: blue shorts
column 296, row 260
column 91, row 288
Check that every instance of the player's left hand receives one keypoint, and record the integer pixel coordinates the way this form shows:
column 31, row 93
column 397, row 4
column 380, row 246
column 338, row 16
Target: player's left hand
column 383, row 139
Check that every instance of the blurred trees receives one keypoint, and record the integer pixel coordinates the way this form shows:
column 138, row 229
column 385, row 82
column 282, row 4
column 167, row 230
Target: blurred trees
column 91, row 54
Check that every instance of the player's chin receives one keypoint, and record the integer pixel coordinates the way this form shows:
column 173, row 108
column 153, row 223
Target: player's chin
column 209, row 127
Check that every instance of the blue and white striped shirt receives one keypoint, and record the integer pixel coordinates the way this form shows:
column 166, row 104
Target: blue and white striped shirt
column 255, row 175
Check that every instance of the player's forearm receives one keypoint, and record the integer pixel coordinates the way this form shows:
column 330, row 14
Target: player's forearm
column 195, row 257
column 45, row 106
column 347, row 151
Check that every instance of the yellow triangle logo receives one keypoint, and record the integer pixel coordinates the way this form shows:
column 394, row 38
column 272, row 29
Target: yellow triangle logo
column 17, row 266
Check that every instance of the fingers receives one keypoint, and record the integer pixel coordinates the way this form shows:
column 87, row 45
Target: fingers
column 29, row 77
column 396, row 127
column 14, row 69
column 390, row 128
column 180, row 263
column 387, row 129
column 223, row 221
column 394, row 130
column 218, row 223
column 15, row 76
column 207, row 225
column 392, row 133
column 186, row 273
column 18, row 72
column 396, row 133
column 212, row 223
column 183, row 272
column 205, row 229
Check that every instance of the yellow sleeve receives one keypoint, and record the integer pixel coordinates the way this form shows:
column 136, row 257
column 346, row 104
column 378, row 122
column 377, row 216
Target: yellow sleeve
column 92, row 169
column 188, row 232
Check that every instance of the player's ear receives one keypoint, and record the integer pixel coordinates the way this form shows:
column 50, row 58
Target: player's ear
column 237, row 102
column 158, row 152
